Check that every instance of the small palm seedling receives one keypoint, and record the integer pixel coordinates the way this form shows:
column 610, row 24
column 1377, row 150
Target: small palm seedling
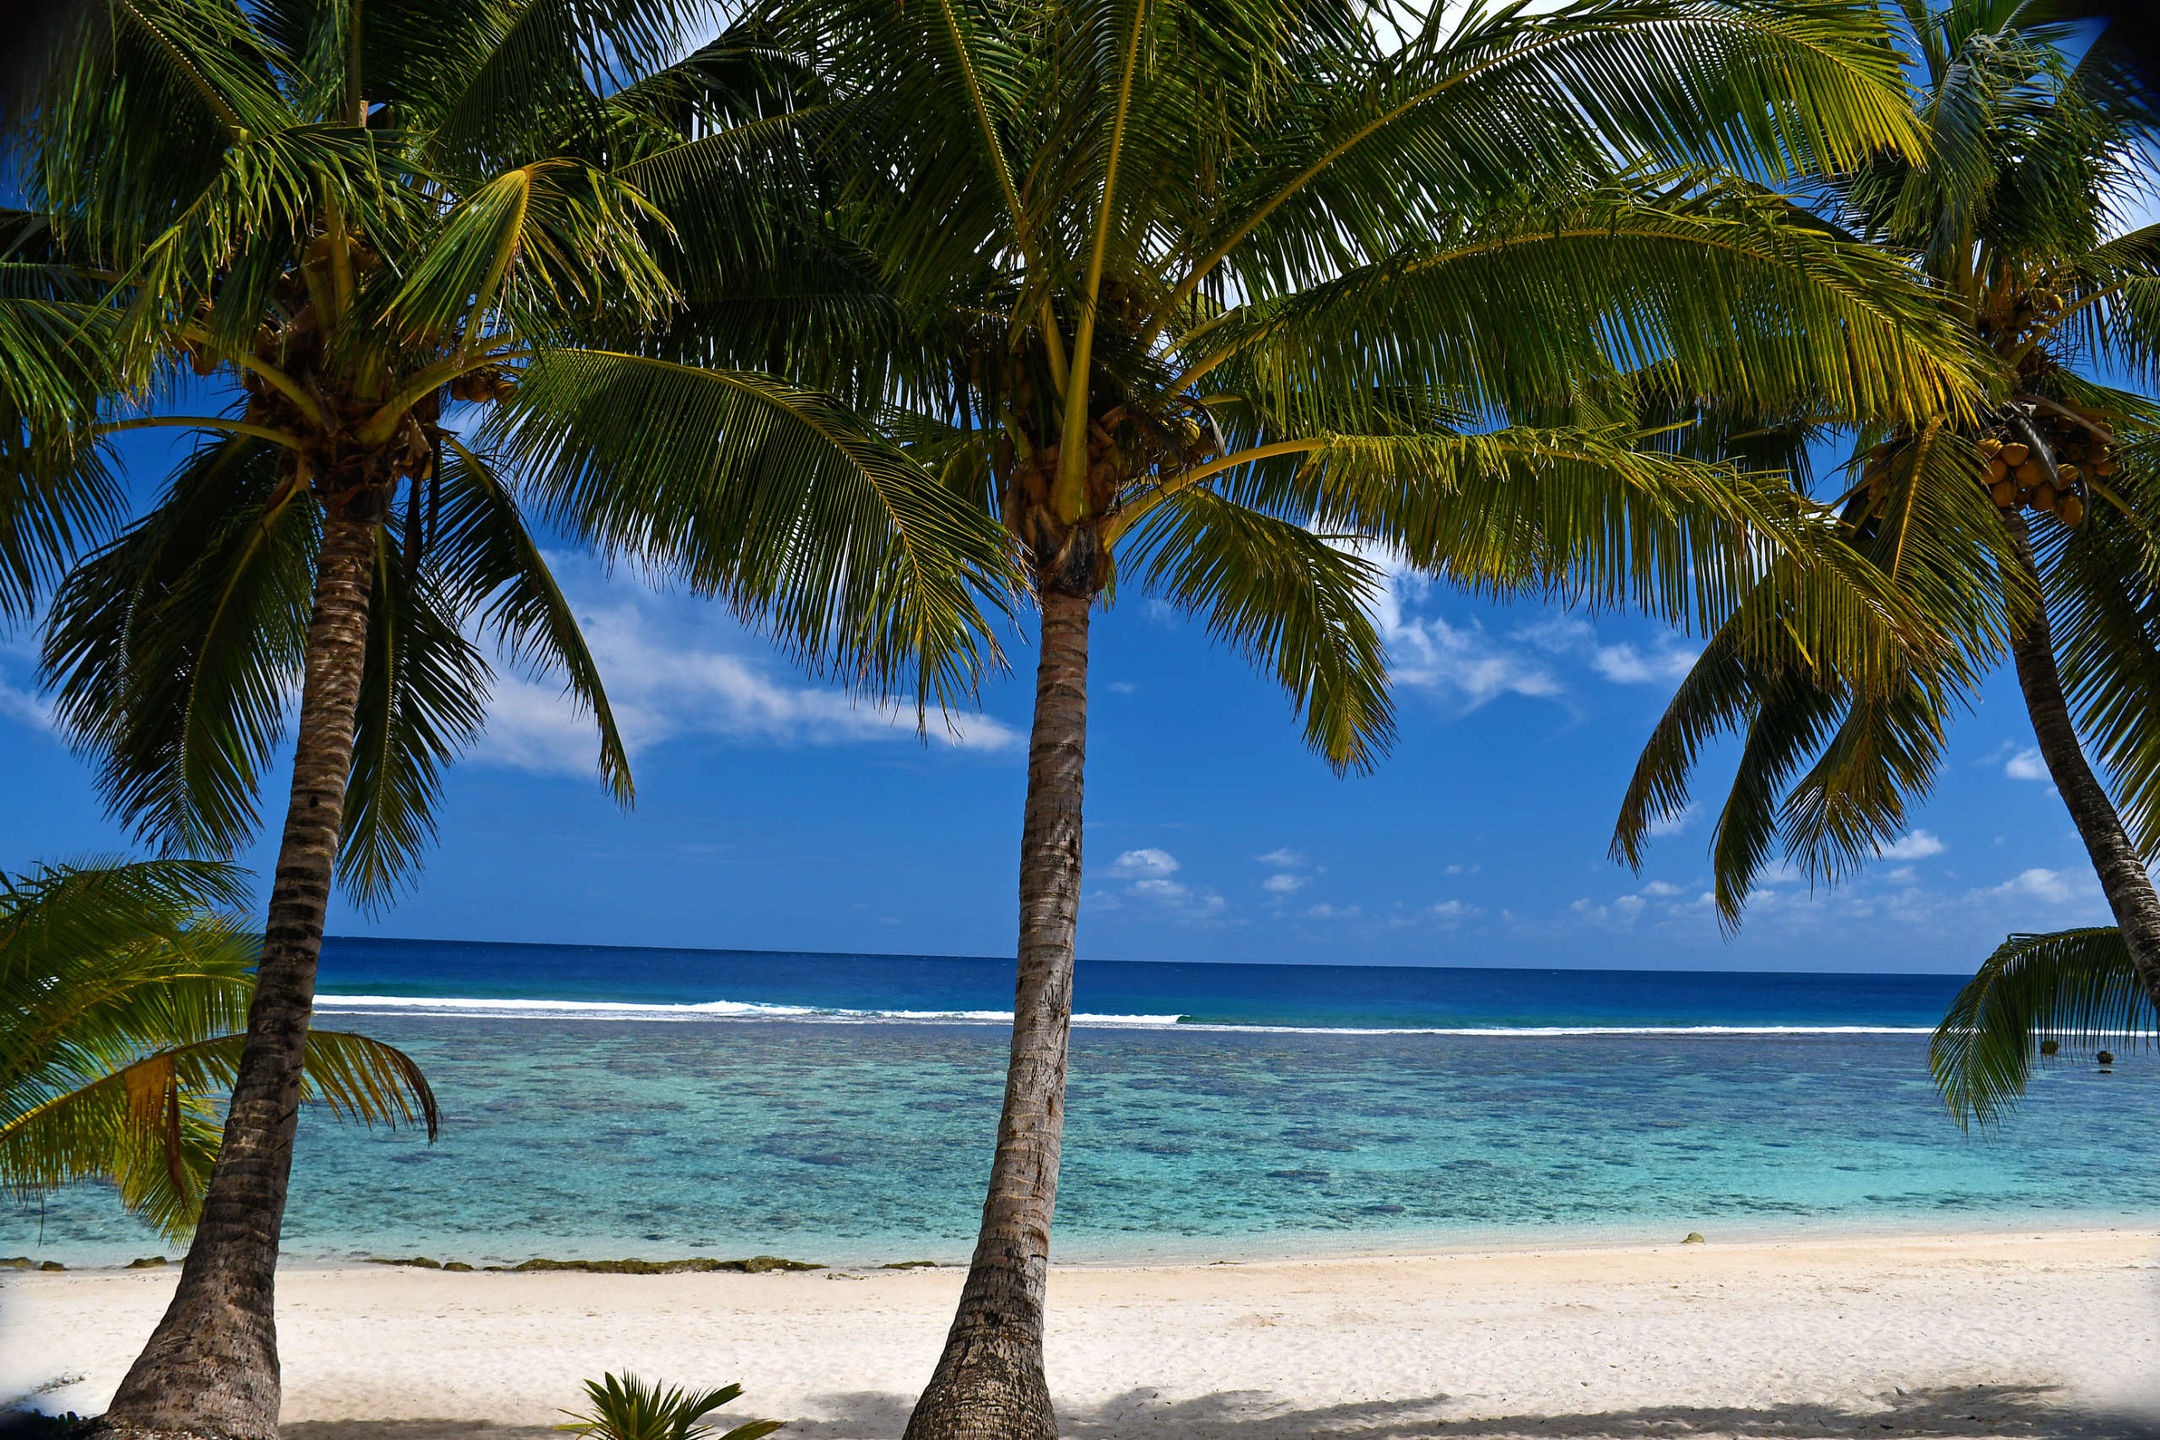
column 624, row 1407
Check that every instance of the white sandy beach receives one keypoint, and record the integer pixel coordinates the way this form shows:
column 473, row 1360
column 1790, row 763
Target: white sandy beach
column 1979, row 1335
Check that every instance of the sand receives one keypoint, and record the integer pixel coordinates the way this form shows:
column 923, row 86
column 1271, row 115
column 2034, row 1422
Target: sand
column 1975, row 1335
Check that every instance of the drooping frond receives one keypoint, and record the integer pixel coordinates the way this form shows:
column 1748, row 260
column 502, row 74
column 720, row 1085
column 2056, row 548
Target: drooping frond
column 623, row 1407
column 1295, row 605
column 2073, row 986
column 2104, row 615
column 774, row 499
column 423, row 701
column 492, row 561
column 122, row 995
column 175, row 648
column 1709, row 292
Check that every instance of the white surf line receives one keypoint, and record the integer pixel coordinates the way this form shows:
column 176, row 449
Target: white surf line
column 754, row 1010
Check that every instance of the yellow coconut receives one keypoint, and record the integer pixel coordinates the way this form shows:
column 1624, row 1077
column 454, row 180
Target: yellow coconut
column 2015, row 452
column 2070, row 510
column 2044, row 496
column 2003, row 493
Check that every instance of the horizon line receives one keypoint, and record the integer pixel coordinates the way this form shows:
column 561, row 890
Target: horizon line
column 1085, row 960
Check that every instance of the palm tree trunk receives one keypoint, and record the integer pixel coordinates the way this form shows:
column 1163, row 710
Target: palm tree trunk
column 2123, row 877
column 989, row 1383
column 211, row 1367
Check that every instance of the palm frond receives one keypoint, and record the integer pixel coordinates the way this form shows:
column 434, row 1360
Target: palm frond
column 176, row 647
column 775, row 499
column 122, row 995
column 489, row 559
column 2074, row 986
column 423, row 700
column 1293, row 604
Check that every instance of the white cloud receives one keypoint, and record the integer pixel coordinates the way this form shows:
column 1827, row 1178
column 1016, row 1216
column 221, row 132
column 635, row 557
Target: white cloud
column 1148, row 864
column 1673, row 824
column 1471, row 666
column 1282, row 859
column 1915, row 845
column 1661, row 889
column 1181, row 900
column 1623, row 664
column 1462, row 663
column 1470, row 869
column 22, row 705
column 25, row 708
column 2053, row 887
column 2025, row 765
column 1146, row 873
column 1283, row 884
column 1325, row 911
column 666, row 679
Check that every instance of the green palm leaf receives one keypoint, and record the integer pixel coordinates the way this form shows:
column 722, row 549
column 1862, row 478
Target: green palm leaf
column 773, row 498
column 423, row 700
column 175, row 648
column 122, row 992
column 1292, row 603
column 2074, row 985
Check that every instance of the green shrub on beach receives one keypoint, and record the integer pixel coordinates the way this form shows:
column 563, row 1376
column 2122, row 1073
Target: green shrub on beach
column 627, row 1408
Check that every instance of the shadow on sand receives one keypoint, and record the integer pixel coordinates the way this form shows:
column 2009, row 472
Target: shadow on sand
column 1975, row 1412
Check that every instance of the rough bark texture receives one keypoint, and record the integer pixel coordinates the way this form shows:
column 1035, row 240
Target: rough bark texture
column 989, row 1384
column 2123, row 877
column 211, row 1367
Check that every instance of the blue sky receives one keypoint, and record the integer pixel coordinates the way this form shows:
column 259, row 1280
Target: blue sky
column 774, row 814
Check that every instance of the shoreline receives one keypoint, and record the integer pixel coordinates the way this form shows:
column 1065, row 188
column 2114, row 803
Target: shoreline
column 1303, row 1247
column 2034, row 1331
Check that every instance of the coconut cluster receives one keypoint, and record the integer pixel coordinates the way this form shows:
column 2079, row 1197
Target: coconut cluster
column 484, row 384
column 2050, row 476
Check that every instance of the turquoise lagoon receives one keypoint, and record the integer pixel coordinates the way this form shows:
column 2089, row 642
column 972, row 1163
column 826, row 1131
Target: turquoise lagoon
column 715, row 1112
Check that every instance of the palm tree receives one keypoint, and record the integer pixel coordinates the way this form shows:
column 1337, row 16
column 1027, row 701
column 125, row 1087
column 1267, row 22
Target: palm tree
column 123, row 992
column 1206, row 298
column 370, row 224
column 2029, row 528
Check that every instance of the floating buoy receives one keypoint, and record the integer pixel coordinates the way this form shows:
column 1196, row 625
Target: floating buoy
column 2106, row 1058
column 2051, row 1047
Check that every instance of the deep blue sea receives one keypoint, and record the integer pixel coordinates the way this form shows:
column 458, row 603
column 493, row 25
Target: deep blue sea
column 607, row 1103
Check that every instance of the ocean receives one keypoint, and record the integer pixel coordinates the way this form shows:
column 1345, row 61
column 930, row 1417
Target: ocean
column 617, row 1102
